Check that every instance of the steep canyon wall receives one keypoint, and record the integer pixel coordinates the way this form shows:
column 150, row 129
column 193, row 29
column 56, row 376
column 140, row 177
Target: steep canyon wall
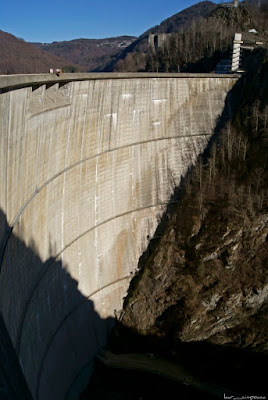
column 87, row 168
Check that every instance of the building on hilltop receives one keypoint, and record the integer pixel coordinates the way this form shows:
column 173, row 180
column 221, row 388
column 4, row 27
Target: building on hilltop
column 158, row 42
column 234, row 3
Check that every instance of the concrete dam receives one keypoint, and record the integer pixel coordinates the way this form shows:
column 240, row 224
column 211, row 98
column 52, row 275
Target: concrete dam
column 88, row 164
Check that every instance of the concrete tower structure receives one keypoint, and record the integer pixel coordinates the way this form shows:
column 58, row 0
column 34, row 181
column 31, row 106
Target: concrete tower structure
column 236, row 52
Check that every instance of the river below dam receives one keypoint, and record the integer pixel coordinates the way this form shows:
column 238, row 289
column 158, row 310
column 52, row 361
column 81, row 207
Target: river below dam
column 146, row 376
column 123, row 384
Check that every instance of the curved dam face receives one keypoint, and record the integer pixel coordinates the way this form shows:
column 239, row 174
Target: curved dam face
column 87, row 168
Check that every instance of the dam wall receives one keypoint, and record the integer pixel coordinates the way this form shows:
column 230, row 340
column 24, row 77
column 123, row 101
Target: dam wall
column 88, row 164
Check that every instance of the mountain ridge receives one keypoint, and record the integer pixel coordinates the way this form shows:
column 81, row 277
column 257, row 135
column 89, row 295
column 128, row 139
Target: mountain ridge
column 20, row 57
column 89, row 53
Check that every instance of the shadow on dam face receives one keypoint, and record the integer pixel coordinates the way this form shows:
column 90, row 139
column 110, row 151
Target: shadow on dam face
column 66, row 332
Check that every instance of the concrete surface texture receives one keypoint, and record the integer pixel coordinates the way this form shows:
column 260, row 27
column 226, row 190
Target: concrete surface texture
column 86, row 170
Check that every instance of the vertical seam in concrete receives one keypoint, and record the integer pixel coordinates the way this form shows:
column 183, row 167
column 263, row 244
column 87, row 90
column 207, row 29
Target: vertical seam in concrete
column 9, row 230
column 64, row 175
column 7, row 162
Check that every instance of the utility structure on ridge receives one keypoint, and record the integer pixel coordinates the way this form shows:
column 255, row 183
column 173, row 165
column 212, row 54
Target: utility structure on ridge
column 236, row 52
column 234, row 3
column 231, row 64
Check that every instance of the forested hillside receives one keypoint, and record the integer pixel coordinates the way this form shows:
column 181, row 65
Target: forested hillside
column 20, row 57
column 92, row 54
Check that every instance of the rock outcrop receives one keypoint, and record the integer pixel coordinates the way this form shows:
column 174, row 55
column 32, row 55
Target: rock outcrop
column 212, row 288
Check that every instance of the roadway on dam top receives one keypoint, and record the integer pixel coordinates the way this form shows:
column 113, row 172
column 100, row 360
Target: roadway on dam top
column 9, row 82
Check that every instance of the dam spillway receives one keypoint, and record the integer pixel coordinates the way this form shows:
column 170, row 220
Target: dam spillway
column 88, row 164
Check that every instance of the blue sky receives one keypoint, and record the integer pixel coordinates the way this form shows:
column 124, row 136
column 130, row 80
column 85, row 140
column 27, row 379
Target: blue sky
column 47, row 21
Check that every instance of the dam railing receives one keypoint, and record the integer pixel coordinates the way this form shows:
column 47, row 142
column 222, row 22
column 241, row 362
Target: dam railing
column 10, row 82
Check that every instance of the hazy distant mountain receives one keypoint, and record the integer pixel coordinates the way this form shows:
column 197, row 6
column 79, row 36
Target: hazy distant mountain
column 92, row 54
column 20, row 57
